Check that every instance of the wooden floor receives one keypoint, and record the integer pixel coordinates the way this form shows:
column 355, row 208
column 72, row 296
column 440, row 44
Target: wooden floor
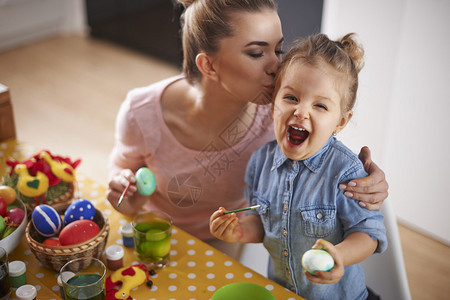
column 66, row 92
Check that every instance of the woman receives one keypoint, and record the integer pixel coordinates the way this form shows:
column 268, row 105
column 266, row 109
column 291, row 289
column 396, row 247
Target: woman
column 197, row 131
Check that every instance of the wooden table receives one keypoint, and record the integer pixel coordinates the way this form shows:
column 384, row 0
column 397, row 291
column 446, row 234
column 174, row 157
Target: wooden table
column 196, row 269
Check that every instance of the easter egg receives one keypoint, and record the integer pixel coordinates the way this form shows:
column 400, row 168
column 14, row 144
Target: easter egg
column 145, row 181
column 78, row 232
column 8, row 193
column 80, row 209
column 46, row 220
column 3, row 206
column 53, row 241
column 317, row 260
column 15, row 216
column 2, row 224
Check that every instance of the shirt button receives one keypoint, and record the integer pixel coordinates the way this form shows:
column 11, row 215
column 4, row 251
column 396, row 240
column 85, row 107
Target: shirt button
column 319, row 216
column 285, row 207
column 284, row 232
column 285, row 253
column 292, row 289
column 287, row 271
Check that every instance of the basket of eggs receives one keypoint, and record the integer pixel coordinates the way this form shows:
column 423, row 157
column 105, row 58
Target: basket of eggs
column 82, row 232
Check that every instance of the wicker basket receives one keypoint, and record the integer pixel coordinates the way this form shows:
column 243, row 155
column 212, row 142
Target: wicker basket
column 54, row 257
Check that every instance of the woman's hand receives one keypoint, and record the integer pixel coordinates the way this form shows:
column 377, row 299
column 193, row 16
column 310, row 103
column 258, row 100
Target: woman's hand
column 372, row 190
column 225, row 227
column 338, row 270
column 116, row 187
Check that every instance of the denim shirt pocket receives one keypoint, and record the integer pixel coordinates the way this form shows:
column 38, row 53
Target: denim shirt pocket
column 319, row 222
column 264, row 212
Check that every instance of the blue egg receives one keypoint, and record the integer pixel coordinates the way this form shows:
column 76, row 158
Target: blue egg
column 80, row 209
column 46, row 220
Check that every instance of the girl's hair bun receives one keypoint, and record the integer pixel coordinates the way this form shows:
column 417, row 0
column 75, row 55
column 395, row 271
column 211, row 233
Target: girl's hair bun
column 353, row 49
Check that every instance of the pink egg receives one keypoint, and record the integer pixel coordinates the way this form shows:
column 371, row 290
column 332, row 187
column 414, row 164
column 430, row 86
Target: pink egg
column 78, row 232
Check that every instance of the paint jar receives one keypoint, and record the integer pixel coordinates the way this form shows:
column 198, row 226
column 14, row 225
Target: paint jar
column 26, row 292
column 67, row 275
column 127, row 235
column 17, row 271
column 114, row 257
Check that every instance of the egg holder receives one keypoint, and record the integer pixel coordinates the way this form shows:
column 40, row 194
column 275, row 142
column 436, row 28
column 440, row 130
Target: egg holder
column 54, row 257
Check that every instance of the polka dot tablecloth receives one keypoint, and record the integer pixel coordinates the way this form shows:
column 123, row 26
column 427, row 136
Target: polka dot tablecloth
column 196, row 270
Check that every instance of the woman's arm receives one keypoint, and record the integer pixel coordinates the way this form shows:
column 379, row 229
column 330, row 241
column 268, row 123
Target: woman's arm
column 372, row 190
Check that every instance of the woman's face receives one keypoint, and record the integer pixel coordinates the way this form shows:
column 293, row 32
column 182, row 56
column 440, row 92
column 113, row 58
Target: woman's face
column 247, row 61
column 307, row 109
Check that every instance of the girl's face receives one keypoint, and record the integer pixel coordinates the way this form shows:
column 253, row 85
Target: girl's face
column 307, row 109
column 246, row 62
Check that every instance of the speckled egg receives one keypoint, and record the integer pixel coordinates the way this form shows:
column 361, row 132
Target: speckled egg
column 78, row 232
column 80, row 209
column 46, row 220
column 317, row 260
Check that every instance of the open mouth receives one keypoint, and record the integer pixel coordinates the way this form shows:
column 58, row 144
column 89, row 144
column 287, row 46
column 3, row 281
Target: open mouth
column 296, row 135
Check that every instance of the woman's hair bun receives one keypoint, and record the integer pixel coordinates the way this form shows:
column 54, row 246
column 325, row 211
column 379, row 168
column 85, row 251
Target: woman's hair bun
column 186, row 3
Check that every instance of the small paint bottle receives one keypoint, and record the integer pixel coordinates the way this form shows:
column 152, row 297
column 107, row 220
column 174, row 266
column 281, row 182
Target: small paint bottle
column 114, row 257
column 17, row 276
column 26, row 292
column 127, row 235
column 67, row 275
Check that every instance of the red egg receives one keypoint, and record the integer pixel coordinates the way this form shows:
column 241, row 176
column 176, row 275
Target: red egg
column 53, row 241
column 78, row 232
column 15, row 215
column 3, row 206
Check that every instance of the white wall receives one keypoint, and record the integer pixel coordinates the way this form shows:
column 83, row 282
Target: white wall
column 403, row 101
column 25, row 21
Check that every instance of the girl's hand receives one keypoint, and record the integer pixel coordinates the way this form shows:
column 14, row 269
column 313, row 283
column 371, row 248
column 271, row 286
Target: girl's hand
column 118, row 184
column 338, row 270
column 372, row 190
column 225, row 227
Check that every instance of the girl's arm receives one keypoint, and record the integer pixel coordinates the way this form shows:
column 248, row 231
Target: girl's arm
column 372, row 190
column 352, row 250
column 230, row 228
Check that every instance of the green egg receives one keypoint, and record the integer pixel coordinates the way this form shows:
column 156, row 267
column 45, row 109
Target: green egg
column 146, row 248
column 161, row 248
column 155, row 234
column 143, row 227
column 2, row 224
column 145, row 181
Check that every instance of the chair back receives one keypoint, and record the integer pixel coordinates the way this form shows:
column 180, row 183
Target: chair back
column 385, row 273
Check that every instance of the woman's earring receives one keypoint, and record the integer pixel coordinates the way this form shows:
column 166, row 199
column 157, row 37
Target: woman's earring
column 334, row 133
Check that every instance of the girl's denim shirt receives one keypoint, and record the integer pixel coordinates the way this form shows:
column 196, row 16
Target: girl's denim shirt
column 300, row 202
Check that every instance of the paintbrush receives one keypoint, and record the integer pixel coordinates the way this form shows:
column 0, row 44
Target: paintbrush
column 242, row 209
column 123, row 194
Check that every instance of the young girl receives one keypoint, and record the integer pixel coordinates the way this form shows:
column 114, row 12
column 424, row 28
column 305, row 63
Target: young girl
column 197, row 131
column 295, row 178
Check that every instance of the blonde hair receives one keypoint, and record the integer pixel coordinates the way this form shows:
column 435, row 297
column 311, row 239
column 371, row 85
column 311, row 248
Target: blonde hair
column 206, row 22
column 345, row 55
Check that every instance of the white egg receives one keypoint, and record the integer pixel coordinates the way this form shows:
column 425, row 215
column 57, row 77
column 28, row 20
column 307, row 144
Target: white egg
column 317, row 260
